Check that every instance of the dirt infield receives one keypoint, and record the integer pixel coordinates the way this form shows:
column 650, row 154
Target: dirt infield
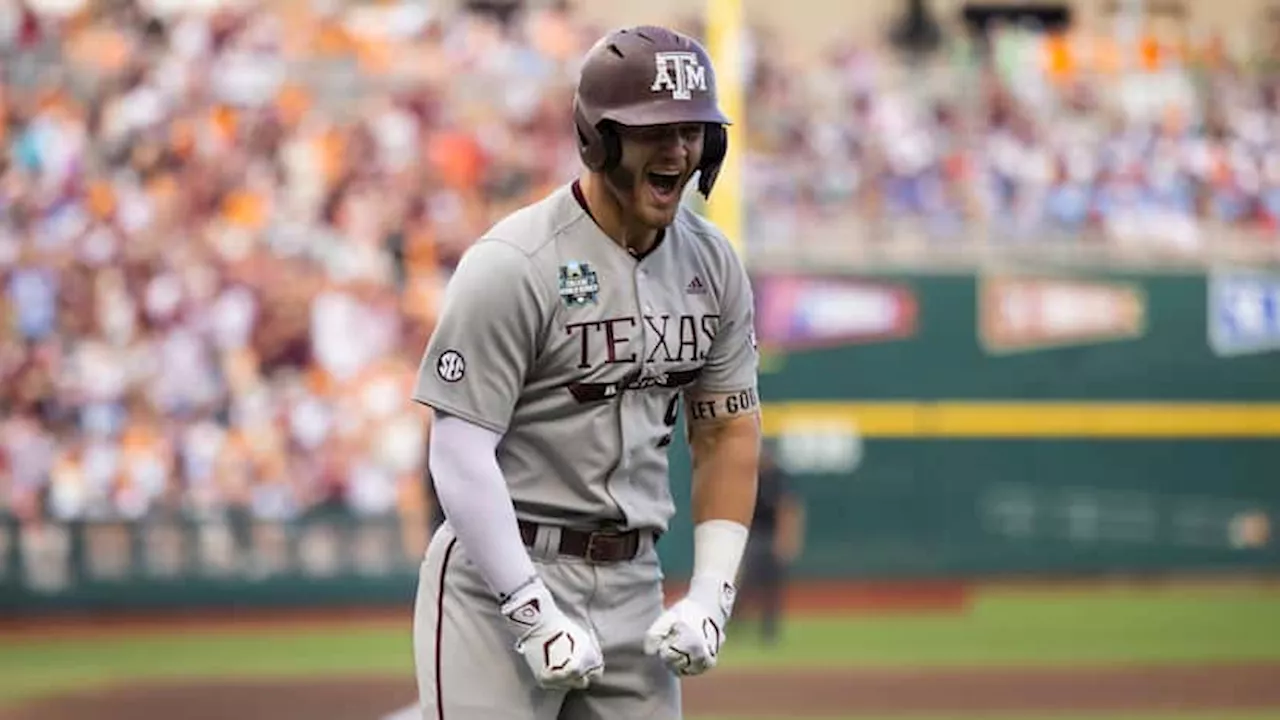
column 795, row 694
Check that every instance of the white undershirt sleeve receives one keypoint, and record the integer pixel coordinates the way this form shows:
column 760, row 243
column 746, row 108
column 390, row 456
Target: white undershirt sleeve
column 473, row 495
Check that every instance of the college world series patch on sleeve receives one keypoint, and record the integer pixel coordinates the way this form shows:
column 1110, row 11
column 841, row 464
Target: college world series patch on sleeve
column 451, row 366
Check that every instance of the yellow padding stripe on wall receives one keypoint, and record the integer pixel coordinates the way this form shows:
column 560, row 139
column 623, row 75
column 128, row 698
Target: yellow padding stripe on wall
column 1027, row 419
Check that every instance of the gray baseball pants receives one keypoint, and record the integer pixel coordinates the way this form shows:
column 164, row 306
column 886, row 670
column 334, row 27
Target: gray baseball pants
column 468, row 669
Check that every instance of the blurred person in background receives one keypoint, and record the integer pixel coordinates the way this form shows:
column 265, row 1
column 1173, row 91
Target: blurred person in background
column 776, row 540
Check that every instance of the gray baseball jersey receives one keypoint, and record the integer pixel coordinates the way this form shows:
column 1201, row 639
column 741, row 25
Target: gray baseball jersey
column 579, row 353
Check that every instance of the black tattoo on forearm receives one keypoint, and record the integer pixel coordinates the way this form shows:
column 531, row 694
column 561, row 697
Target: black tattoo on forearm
column 722, row 406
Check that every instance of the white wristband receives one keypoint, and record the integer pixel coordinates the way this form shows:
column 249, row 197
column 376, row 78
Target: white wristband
column 718, row 547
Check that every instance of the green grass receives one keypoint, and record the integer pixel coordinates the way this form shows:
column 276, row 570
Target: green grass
column 1038, row 629
column 1002, row 629
column 28, row 669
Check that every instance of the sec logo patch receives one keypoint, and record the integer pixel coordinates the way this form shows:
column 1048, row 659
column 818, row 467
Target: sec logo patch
column 451, row 366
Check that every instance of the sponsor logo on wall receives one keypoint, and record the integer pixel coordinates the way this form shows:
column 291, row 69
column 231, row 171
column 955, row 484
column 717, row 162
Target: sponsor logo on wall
column 800, row 313
column 1020, row 314
column 1243, row 312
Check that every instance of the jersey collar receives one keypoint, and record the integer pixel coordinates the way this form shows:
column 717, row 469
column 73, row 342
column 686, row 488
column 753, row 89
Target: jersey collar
column 582, row 202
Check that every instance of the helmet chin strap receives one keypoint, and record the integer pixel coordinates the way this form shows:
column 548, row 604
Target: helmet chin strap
column 621, row 183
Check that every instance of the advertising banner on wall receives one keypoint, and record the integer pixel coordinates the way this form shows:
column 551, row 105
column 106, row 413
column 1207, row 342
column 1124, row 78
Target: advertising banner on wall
column 803, row 312
column 1243, row 312
column 1019, row 314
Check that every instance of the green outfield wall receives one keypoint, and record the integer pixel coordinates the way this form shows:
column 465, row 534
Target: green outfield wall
column 954, row 425
column 1025, row 422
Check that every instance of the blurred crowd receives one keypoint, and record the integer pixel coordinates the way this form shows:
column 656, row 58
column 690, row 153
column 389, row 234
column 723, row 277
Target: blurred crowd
column 1024, row 138
column 226, row 229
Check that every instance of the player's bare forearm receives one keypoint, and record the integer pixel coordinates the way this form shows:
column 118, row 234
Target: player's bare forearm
column 724, row 443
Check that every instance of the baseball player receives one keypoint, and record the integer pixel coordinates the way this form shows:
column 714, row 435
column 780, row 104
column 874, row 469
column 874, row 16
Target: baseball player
column 572, row 333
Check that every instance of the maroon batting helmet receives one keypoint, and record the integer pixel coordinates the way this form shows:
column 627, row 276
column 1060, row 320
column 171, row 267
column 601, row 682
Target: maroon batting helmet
column 647, row 75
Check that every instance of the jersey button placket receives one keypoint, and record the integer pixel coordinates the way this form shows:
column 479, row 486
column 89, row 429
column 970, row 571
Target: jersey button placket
column 642, row 286
column 642, row 305
column 646, row 307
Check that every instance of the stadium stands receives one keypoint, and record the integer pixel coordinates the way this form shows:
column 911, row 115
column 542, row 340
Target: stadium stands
column 226, row 232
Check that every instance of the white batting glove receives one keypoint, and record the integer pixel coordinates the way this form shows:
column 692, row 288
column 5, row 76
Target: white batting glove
column 561, row 653
column 689, row 635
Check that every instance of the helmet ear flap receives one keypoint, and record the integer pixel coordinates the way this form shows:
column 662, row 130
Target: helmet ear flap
column 612, row 143
column 598, row 145
column 590, row 146
column 715, row 145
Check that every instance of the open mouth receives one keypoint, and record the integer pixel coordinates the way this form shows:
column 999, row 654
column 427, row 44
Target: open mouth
column 664, row 184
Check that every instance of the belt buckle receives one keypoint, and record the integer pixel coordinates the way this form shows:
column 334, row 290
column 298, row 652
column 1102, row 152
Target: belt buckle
column 605, row 537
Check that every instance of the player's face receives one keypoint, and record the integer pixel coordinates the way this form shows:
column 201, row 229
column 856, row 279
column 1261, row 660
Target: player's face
column 657, row 163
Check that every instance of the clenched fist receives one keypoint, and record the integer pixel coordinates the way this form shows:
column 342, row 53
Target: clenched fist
column 688, row 636
column 561, row 653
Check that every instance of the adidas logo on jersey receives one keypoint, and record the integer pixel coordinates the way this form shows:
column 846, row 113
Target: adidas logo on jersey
column 696, row 287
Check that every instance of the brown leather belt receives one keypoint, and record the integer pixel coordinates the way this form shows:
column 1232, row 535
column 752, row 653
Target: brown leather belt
column 598, row 546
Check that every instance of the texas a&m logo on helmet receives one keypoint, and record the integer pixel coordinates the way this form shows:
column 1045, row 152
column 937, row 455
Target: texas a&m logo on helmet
column 679, row 73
